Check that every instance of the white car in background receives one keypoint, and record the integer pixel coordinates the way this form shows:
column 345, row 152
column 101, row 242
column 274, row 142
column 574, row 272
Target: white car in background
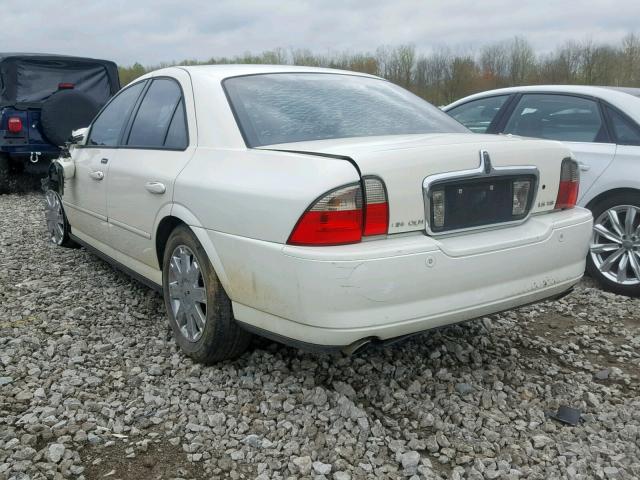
column 323, row 208
column 601, row 126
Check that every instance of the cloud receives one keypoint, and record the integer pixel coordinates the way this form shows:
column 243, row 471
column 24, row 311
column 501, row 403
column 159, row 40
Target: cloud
column 153, row 31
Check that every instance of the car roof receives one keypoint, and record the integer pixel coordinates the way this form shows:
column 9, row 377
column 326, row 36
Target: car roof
column 220, row 72
column 10, row 64
column 626, row 99
column 45, row 56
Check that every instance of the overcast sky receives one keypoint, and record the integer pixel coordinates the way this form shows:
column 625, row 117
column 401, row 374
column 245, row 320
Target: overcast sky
column 153, row 31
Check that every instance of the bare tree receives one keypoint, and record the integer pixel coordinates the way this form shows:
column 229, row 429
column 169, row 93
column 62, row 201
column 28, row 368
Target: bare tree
column 445, row 74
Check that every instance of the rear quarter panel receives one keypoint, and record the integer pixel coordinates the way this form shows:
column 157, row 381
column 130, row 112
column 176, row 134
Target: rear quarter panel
column 622, row 172
column 253, row 193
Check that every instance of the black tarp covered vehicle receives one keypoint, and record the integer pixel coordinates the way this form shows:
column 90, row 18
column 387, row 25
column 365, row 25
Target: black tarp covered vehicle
column 42, row 99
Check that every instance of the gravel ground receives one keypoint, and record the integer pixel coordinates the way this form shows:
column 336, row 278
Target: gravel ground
column 91, row 387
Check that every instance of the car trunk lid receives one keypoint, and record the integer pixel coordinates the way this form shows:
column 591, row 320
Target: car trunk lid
column 405, row 162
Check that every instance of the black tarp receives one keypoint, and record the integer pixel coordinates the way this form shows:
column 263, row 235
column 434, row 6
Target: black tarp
column 28, row 79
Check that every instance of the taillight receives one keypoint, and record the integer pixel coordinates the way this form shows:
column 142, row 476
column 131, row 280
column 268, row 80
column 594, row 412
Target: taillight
column 569, row 184
column 66, row 86
column 376, row 216
column 14, row 124
column 334, row 219
column 342, row 216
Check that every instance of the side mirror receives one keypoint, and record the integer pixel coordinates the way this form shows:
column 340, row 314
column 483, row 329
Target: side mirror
column 79, row 136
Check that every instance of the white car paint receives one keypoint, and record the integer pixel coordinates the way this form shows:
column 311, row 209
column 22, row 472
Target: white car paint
column 242, row 204
column 604, row 166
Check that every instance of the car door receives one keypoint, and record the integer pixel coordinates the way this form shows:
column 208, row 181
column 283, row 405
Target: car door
column 155, row 149
column 625, row 168
column 479, row 115
column 85, row 196
column 575, row 120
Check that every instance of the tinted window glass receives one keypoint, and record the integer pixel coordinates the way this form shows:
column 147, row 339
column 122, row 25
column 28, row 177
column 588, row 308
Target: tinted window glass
column 295, row 107
column 150, row 126
column 107, row 127
column 177, row 134
column 557, row 117
column 478, row 114
column 626, row 132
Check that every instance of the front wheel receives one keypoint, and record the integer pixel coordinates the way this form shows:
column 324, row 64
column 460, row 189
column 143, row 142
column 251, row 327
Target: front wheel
column 199, row 309
column 57, row 223
column 614, row 256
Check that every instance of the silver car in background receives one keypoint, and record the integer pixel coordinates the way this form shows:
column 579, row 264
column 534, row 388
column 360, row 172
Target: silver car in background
column 601, row 125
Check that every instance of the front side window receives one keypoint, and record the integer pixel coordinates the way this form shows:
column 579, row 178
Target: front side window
column 108, row 126
column 557, row 117
column 626, row 132
column 158, row 108
column 297, row 107
column 477, row 115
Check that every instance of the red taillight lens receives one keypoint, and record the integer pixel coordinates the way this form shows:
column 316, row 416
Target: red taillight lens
column 569, row 184
column 341, row 216
column 14, row 124
column 65, row 86
column 376, row 217
column 335, row 219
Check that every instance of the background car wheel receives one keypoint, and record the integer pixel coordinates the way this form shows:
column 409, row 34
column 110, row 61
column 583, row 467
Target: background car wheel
column 4, row 173
column 57, row 224
column 614, row 257
column 199, row 309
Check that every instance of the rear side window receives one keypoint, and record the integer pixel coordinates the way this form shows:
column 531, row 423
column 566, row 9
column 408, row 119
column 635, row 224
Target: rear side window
column 160, row 105
column 626, row 132
column 477, row 115
column 108, row 126
column 557, row 117
column 177, row 134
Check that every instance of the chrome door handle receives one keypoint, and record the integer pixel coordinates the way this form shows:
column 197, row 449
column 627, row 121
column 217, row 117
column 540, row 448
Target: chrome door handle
column 97, row 175
column 584, row 167
column 155, row 187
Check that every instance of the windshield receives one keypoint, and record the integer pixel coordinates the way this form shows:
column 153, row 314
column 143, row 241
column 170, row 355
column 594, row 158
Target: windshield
column 298, row 107
column 36, row 80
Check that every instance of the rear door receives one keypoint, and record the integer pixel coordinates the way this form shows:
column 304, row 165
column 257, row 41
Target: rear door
column 625, row 169
column 85, row 196
column 577, row 121
column 157, row 145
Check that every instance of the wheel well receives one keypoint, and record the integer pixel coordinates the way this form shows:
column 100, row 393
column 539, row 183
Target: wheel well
column 166, row 226
column 608, row 193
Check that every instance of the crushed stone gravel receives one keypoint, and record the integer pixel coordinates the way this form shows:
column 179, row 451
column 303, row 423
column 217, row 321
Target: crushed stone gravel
column 90, row 387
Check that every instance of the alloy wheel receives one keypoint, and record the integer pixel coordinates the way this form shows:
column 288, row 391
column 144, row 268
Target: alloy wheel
column 187, row 293
column 54, row 215
column 615, row 244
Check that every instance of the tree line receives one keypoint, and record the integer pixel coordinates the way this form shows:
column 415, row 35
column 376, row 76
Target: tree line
column 447, row 74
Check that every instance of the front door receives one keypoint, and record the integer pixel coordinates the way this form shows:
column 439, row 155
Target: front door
column 155, row 149
column 85, row 196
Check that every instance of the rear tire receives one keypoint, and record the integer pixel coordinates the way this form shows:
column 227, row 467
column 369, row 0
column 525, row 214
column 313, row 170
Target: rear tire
column 614, row 256
column 199, row 309
column 4, row 173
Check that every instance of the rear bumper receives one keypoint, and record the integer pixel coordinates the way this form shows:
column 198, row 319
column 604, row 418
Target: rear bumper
column 335, row 296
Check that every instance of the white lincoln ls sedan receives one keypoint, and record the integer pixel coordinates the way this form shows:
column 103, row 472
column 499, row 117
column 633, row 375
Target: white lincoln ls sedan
column 321, row 208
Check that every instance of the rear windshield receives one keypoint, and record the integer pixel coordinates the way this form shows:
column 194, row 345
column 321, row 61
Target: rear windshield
column 36, row 80
column 298, row 107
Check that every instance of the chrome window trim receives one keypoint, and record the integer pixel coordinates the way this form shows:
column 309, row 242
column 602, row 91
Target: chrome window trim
column 484, row 171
